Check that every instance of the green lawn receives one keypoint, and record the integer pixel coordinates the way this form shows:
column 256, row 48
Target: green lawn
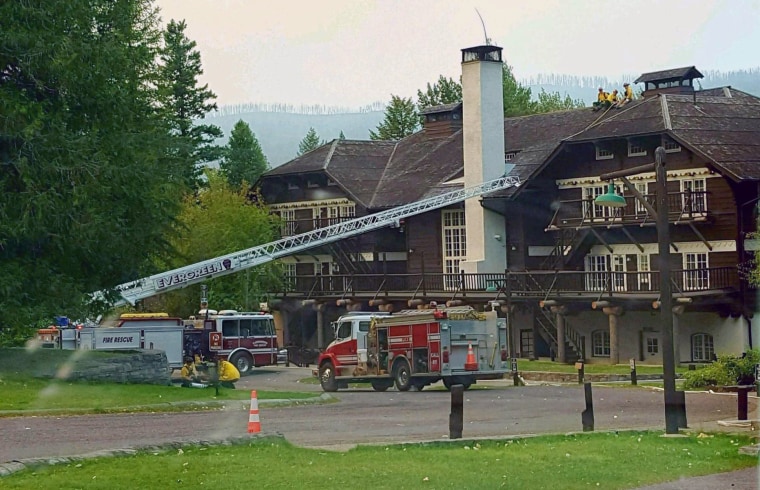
column 34, row 395
column 595, row 460
column 527, row 365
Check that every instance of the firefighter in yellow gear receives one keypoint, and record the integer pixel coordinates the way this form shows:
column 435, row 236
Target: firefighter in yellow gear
column 601, row 99
column 627, row 95
column 228, row 373
column 189, row 373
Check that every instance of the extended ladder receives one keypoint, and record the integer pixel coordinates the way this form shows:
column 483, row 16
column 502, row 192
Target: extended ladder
column 251, row 257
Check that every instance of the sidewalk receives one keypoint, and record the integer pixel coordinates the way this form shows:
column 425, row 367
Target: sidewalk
column 746, row 479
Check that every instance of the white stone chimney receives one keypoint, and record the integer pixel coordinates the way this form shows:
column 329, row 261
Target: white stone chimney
column 483, row 128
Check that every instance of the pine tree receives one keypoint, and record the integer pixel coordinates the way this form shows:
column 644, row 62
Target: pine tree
column 401, row 120
column 517, row 101
column 444, row 91
column 309, row 142
column 341, row 136
column 243, row 159
column 185, row 101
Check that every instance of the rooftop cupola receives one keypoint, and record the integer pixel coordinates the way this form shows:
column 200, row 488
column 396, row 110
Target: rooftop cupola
column 673, row 81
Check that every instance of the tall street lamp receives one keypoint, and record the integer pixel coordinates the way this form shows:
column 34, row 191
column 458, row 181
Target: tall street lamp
column 675, row 406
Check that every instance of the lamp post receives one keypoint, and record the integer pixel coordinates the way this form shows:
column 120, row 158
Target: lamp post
column 675, row 411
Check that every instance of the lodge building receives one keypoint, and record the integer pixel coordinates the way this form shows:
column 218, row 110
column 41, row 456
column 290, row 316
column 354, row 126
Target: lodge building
column 578, row 280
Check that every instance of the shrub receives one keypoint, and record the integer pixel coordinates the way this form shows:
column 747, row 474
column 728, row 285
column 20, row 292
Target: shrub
column 727, row 370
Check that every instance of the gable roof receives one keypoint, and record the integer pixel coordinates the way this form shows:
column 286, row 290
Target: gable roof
column 671, row 74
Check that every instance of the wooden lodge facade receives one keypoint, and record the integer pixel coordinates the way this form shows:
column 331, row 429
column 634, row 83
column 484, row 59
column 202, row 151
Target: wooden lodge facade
column 579, row 280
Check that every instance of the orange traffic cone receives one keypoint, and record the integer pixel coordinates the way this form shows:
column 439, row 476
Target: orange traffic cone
column 254, row 426
column 471, row 364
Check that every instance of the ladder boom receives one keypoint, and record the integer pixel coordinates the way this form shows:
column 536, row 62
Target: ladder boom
column 261, row 254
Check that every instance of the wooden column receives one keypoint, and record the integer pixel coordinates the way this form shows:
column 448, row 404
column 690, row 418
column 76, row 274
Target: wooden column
column 613, row 312
column 677, row 312
column 560, row 311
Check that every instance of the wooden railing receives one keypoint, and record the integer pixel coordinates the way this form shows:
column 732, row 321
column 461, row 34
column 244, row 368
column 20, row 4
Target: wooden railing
column 682, row 206
column 539, row 284
column 298, row 226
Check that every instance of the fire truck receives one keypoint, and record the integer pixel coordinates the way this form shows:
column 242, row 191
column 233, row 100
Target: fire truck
column 415, row 348
column 246, row 339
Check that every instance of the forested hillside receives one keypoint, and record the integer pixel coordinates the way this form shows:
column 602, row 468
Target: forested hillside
column 280, row 127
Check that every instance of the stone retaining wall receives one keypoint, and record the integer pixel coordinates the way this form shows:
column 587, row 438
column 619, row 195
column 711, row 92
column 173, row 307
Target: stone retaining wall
column 135, row 367
column 116, row 366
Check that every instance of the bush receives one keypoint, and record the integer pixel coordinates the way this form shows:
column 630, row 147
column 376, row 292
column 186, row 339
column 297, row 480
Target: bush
column 727, row 370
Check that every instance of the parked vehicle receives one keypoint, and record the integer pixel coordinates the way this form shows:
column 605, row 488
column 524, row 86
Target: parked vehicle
column 246, row 339
column 415, row 348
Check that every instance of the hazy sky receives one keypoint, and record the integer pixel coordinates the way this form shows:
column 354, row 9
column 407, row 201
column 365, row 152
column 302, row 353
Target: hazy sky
column 354, row 52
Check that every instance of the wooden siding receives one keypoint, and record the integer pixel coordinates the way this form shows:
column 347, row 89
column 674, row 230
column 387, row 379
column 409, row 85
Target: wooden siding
column 423, row 234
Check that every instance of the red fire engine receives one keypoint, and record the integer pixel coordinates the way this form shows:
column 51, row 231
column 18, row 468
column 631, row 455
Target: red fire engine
column 415, row 348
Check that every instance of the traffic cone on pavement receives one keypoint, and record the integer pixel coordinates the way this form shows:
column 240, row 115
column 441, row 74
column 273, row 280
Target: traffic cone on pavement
column 471, row 364
column 254, row 426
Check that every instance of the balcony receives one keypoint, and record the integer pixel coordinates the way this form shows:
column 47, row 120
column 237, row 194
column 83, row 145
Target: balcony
column 296, row 227
column 683, row 207
column 522, row 285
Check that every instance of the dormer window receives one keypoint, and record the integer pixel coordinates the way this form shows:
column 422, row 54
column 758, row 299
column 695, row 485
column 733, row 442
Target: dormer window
column 670, row 145
column 311, row 184
column 292, row 186
column 509, row 156
column 603, row 154
column 635, row 149
column 331, row 182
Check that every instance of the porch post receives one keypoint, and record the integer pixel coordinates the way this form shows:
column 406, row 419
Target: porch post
column 320, row 308
column 677, row 312
column 613, row 312
column 560, row 311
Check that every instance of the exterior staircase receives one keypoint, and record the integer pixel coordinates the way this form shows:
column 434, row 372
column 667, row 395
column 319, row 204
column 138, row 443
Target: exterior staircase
column 547, row 328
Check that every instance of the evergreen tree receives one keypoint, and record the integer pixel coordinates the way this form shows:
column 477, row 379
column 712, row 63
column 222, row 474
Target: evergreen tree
column 309, row 142
column 401, row 120
column 517, row 101
column 87, row 196
column 243, row 159
column 185, row 101
column 553, row 101
column 444, row 91
column 341, row 136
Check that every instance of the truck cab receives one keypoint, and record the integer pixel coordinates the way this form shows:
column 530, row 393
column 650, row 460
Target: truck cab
column 350, row 344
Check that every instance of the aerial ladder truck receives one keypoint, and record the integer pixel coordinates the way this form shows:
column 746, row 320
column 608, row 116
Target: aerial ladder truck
column 139, row 289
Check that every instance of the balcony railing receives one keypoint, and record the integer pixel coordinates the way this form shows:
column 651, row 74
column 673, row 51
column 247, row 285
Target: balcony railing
column 682, row 206
column 539, row 284
column 298, row 226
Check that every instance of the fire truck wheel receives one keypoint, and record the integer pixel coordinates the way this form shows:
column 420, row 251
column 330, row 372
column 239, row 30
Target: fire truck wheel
column 327, row 377
column 381, row 385
column 402, row 375
column 242, row 362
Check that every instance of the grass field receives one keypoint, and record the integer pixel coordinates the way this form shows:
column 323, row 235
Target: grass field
column 600, row 460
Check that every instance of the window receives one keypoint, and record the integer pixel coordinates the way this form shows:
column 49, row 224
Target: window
column 596, row 268
column 289, row 223
column 670, row 145
column 348, row 211
column 694, row 196
column 292, row 186
column 454, row 246
column 261, row 326
column 508, row 157
column 246, row 327
column 312, row 184
column 644, row 277
column 343, row 331
column 602, row 154
column 290, row 276
column 619, row 282
column 230, row 328
column 635, row 150
column 331, row 182
column 600, row 343
column 702, row 348
column 695, row 272
column 643, row 189
column 653, row 345
column 364, row 326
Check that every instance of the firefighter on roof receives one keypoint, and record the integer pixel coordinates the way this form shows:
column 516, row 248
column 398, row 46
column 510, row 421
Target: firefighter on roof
column 627, row 95
column 601, row 98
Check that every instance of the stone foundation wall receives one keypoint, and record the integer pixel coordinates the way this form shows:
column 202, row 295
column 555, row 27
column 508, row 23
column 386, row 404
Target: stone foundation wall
column 134, row 367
